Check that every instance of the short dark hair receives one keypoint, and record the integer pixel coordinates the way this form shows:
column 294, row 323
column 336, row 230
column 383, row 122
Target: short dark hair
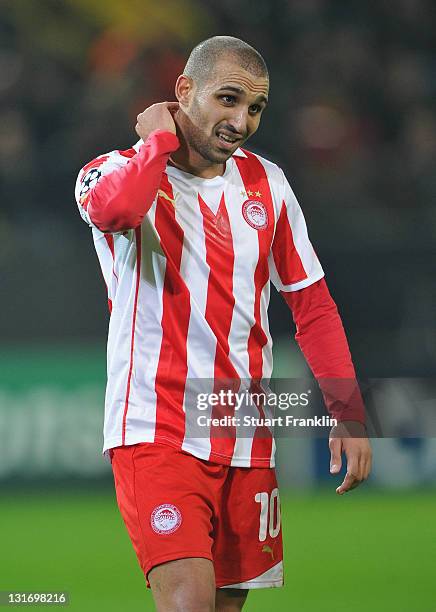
column 207, row 53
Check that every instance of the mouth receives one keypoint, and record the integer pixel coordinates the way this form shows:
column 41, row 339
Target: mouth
column 227, row 140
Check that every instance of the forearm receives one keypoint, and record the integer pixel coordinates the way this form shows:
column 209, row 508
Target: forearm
column 121, row 199
column 321, row 337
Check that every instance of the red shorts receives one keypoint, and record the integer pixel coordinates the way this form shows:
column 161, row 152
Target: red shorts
column 177, row 506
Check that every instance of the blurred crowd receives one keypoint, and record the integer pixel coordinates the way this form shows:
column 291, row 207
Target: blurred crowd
column 352, row 120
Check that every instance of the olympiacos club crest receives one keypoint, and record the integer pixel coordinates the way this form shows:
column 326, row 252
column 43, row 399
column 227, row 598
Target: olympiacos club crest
column 255, row 214
column 165, row 519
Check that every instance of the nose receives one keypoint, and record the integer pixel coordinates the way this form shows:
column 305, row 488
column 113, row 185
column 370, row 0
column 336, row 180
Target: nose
column 239, row 120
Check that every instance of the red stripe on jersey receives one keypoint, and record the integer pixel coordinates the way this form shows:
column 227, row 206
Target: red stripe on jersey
column 173, row 364
column 132, row 340
column 95, row 163
column 219, row 310
column 110, row 242
column 255, row 180
column 286, row 257
column 128, row 152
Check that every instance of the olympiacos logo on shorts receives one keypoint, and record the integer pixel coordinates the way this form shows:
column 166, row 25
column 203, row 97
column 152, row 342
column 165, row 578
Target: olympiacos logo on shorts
column 165, row 519
column 255, row 214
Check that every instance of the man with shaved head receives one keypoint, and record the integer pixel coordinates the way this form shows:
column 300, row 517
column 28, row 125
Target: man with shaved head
column 207, row 54
column 190, row 228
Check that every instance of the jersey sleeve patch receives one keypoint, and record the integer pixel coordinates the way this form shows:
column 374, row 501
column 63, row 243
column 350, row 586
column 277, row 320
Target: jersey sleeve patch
column 88, row 181
column 90, row 175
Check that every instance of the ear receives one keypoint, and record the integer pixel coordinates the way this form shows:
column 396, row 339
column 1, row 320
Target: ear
column 183, row 90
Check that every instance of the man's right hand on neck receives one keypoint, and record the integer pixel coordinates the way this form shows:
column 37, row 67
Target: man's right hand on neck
column 156, row 117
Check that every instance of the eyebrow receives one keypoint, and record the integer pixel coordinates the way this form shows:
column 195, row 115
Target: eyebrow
column 239, row 90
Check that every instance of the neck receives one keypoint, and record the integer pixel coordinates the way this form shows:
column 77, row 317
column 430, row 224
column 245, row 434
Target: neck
column 189, row 160
column 201, row 167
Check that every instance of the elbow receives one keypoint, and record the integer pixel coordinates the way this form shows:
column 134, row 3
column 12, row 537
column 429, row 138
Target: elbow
column 115, row 223
column 112, row 218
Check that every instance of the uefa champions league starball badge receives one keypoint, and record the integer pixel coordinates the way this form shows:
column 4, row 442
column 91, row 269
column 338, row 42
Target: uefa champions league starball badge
column 89, row 181
column 165, row 519
column 255, row 214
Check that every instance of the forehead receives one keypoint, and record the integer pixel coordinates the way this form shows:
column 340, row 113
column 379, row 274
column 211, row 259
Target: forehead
column 230, row 73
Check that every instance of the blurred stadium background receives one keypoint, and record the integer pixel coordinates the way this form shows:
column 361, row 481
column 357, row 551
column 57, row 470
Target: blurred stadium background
column 352, row 120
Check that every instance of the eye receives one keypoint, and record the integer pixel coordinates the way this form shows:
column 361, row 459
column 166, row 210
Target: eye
column 255, row 108
column 228, row 99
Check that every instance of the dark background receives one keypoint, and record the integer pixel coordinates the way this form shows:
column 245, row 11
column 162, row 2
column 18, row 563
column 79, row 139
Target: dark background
column 352, row 120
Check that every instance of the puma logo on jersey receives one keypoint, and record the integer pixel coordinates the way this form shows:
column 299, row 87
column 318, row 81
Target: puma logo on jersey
column 268, row 549
column 162, row 194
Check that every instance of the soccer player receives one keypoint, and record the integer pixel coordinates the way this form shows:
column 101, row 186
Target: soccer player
column 189, row 229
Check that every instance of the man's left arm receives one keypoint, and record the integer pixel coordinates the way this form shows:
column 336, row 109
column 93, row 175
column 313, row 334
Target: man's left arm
column 322, row 340
column 297, row 273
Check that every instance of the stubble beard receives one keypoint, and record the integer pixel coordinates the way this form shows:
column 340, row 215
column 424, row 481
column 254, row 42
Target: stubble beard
column 199, row 142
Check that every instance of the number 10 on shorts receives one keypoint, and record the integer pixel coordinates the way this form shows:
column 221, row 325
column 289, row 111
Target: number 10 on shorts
column 269, row 514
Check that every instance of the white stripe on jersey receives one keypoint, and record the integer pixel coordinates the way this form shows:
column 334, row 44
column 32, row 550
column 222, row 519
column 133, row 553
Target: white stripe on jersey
column 201, row 342
column 243, row 282
column 141, row 416
column 119, row 345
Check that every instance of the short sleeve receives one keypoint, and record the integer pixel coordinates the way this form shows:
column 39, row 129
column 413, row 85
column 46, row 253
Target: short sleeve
column 293, row 263
column 90, row 175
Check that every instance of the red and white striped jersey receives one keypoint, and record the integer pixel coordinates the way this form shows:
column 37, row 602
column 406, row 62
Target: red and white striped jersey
column 189, row 290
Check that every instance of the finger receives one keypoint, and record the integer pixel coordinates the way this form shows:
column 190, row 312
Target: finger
column 335, row 445
column 368, row 465
column 360, row 472
column 354, row 465
column 363, row 456
column 366, row 470
column 350, row 482
column 352, row 476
